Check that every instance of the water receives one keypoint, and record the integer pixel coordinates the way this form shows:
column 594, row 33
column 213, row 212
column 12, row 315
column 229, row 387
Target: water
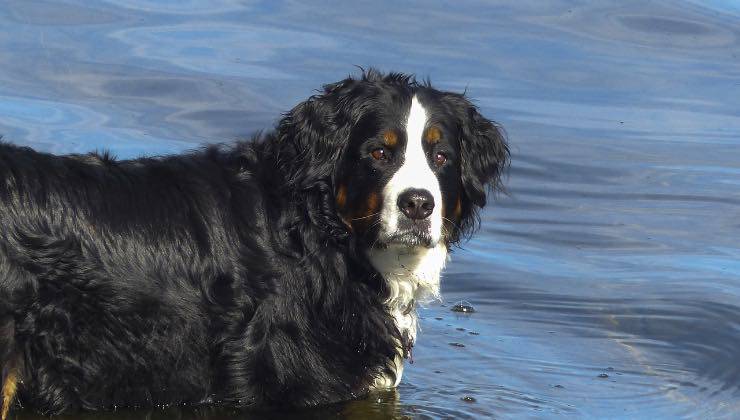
column 616, row 251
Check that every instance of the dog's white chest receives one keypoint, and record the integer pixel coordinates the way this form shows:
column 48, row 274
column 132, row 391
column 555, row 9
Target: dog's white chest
column 413, row 277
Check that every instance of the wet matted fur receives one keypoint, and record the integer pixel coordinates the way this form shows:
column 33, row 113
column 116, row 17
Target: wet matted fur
column 282, row 271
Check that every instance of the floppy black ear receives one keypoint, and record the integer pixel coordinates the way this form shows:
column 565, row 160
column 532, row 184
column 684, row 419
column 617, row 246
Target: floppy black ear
column 312, row 136
column 485, row 155
column 305, row 150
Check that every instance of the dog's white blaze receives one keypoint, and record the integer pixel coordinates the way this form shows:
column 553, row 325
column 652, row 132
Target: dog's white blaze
column 412, row 273
column 415, row 173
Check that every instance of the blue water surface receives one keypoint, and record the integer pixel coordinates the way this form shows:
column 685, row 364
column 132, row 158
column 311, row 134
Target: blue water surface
column 607, row 281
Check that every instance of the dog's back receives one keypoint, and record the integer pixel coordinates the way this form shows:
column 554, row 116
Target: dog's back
column 102, row 266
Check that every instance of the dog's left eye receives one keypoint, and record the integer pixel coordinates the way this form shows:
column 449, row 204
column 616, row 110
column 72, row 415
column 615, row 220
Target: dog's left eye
column 440, row 159
column 379, row 153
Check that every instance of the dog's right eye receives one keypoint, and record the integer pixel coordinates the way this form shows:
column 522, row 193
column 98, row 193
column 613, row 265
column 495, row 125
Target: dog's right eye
column 379, row 153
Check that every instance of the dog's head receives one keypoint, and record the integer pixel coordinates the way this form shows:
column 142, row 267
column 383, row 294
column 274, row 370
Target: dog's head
column 400, row 163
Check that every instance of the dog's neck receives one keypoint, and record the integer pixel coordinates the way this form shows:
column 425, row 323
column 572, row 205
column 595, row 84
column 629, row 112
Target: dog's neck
column 412, row 276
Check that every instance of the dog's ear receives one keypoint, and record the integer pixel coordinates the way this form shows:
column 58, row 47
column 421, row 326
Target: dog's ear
column 312, row 135
column 484, row 159
column 485, row 155
column 306, row 149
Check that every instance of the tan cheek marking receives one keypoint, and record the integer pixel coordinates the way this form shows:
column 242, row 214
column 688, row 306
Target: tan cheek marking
column 433, row 135
column 390, row 138
column 458, row 208
column 372, row 203
column 362, row 218
column 341, row 199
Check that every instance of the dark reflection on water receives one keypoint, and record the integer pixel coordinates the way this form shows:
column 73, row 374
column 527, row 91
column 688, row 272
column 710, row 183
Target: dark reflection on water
column 382, row 405
column 606, row 283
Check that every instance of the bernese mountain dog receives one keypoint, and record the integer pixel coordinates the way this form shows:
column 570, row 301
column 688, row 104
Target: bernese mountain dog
column 283, row 271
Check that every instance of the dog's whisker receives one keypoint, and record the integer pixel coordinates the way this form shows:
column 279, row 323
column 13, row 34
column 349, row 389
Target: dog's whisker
column 452, row 223
column 365, row 217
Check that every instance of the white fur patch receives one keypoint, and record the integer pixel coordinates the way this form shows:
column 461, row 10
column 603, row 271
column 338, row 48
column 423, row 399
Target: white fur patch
column 412, row 273
column 413, row 276
column 414, row 173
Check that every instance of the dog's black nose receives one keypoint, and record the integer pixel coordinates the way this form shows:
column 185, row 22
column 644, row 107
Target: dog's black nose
column 416, row 204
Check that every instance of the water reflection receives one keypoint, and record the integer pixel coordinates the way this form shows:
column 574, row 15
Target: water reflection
column 667, row 334
column 380, row 405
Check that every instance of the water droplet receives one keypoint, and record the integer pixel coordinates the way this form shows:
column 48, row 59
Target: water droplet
column 463, row 306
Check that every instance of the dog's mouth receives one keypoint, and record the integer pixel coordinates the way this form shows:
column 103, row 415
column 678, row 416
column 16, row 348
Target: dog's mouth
column 411, row 234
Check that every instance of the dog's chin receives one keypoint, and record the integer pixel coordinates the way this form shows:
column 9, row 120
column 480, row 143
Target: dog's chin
column 410, row 238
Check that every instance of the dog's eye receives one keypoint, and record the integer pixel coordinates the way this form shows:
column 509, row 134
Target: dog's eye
column 440, row 159
column 379, row 153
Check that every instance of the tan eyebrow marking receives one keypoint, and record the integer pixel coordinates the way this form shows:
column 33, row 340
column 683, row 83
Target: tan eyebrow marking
column 390, row 138
column 433, row 135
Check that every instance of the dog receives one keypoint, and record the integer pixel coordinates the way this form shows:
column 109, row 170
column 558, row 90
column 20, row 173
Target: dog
column 281, row 271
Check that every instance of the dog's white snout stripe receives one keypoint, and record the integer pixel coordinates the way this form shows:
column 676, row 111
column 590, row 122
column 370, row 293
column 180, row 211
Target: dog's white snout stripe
column 414, row 173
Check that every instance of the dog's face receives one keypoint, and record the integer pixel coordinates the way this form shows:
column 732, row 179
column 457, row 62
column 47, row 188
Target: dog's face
column 399, row 178
column 409, row 165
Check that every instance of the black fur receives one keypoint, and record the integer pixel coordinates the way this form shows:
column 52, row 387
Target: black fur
column 224, row 275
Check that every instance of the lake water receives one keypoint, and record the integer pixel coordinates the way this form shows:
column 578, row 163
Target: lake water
column 606, row 284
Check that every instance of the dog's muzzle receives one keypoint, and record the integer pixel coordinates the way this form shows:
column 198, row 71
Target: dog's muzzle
column 414, row 224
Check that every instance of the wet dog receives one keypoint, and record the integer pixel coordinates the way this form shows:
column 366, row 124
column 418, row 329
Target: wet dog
column 282, row 271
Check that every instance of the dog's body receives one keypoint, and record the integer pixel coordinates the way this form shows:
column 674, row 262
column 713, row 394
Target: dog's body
column 278, row 272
